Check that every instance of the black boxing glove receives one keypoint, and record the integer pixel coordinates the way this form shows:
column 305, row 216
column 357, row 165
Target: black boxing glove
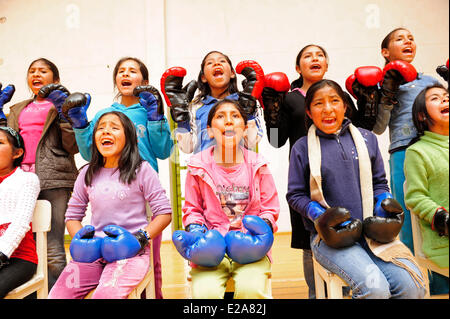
column 387, row 221
column 336, row 228
column 440, row 221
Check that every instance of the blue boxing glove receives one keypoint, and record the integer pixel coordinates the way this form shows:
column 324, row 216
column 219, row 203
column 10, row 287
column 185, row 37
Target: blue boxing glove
column 201, row 246
column 57, row 94
column 5, row 96
column 249, row 247
column 85, row 247
column 74, row 109
column 387, row 219
column 151, row 100
column 121, row 244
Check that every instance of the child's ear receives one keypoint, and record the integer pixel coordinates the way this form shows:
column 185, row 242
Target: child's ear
column 309, row 113
column 18, row 153
column 385, row 53
column 144, row 82
column 203, row 78
column 297, row 68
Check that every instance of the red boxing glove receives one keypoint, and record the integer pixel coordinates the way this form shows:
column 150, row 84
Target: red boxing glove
column 254, row 76
column 406, row 70
column 174, row 78
column 277, row 81
column 366, row 76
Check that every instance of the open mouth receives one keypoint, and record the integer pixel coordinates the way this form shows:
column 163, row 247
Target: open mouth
column 126, row 83
column 444, row 111
column 229, row 133
column 315, row 67
column 36, row 82
column 107, row 142
column 407, row 50
column 329, row 120
column 217, row 72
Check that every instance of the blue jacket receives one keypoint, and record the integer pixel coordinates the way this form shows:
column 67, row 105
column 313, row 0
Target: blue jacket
column 399, row 119
column 339, row 169
column 154, row 137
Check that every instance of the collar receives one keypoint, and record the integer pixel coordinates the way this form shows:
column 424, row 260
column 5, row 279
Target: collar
column 209, row 99
column 2, row 178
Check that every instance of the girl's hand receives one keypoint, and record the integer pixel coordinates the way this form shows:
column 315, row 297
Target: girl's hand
column 177, row 97
column 75, row 107
column 253, row 87
column 5, row 96
column 151, row 100
column 57, row 94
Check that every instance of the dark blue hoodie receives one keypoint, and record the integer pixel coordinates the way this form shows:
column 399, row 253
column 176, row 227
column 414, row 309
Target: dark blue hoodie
column 339, row 169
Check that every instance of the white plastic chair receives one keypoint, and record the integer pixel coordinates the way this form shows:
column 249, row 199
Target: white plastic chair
column 39, row 283
column 333, row 282
column 148, row 282
column 421, row 259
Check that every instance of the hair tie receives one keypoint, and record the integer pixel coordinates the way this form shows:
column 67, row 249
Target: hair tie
column 13, row 133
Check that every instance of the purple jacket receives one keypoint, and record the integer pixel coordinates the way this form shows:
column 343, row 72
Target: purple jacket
column 339, row 169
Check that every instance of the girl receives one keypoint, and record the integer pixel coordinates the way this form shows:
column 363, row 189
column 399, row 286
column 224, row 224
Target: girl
column 395, row 113
column 18, row 193
column 216, row 81
column 51, row 146
column 117, row 183
column 228, row 189
column 341, row 174
column 289, row 123
column 144, row 109
column 426, row 172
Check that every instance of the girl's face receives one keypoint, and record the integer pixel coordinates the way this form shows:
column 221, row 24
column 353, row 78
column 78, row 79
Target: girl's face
column 227, row 126
column 436, row 101
column 401, row 46
column 217, row 72
column 7, row 155
column 128, row 77
column 327, row 110
column 110, row 139
column 313, row 64
column 39, row 74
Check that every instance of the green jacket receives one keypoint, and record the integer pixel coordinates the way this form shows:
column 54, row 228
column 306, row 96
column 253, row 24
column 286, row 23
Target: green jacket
column 426, row 172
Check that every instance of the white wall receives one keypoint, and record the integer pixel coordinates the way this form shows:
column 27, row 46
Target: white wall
column 86, row 38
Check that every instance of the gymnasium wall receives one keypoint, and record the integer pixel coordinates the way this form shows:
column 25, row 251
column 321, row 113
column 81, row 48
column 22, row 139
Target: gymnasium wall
column 85, row 39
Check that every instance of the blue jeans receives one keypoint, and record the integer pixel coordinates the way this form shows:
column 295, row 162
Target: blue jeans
column 367, row 275
column 396, row 161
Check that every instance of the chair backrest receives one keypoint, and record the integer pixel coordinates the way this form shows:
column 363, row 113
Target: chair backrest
column 42, row 216
column 41, row 224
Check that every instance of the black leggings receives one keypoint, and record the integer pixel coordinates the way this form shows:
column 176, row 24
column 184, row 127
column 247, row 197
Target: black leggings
column 17, row 272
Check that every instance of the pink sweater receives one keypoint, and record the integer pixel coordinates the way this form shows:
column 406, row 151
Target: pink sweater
column 202, row 205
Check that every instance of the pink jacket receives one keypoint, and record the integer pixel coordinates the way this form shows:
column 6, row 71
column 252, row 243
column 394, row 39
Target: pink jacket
column 202, row 205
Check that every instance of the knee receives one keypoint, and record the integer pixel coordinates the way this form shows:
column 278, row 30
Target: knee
column 372, row 290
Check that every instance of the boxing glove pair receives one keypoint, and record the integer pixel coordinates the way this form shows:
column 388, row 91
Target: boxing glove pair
column 178, row 97
column 338, row 230
column 5, row 96
column 371, row 87
column 118, row 244
column 207, row 248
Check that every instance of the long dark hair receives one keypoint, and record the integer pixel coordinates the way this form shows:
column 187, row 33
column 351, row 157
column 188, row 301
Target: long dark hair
column 204, row 88
column 130, row 159
column 299, row 82
column 335, row 86
column 421, row 119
